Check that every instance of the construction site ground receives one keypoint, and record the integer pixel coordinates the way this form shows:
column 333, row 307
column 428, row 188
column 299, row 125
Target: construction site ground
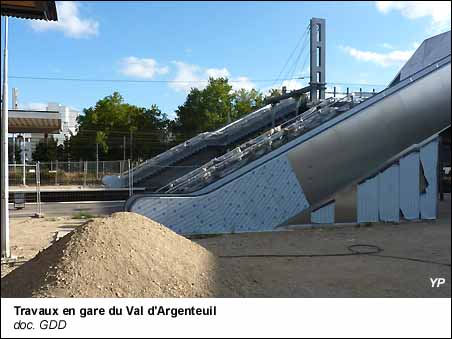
column 413, row 254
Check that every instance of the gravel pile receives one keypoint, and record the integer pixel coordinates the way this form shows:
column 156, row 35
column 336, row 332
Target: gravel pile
column 125, row 255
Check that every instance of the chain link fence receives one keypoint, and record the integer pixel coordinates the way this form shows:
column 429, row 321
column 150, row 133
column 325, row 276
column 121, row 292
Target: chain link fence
column 32, row 184
column 68, row 173
column 77, row 181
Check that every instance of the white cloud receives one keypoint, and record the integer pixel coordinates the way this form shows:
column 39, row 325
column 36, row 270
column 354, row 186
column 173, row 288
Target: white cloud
column 193, row 76
column 416, row 44
column 292, row 84
column 387, row 46
column 69, row 22
column 188, row 76
column 217, row 72
column 242, row 82
column 437, row 11
column 382, row 59
column 141, row 67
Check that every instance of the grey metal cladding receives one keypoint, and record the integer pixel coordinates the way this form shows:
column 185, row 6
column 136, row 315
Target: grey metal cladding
column 429, row 52
column 354, row 147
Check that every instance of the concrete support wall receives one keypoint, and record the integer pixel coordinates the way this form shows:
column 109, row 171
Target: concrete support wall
column 409, row 186
column 367, row 201
column 260, row 200
column 397, row 189
column 429, row 161
column 324, row 215
column 389, row 197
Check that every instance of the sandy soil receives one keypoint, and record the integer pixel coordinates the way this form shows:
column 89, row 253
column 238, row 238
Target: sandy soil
column 28, row 236
column 351, row 276
column 125, row 255
column 355, row 276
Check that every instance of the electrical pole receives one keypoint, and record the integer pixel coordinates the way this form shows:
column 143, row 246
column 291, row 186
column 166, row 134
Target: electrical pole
column 131, row 145
column 130, row 138
column 97, row 161
column 24, row 166
column 123, row 164
column 124, row 148
column 14, row 151
column 6, row 250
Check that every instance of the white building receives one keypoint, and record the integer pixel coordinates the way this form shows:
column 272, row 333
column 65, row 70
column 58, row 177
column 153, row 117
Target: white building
column 28, row 141
column 68, row 121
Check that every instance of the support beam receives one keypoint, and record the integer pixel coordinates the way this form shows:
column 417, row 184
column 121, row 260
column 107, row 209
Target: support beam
column 317, row 61
column 291, row 94
column 6, row 251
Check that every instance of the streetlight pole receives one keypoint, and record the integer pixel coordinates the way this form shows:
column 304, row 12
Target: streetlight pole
column 6, row 250
column 24, row 165
column 124, row 149
column 97, row 161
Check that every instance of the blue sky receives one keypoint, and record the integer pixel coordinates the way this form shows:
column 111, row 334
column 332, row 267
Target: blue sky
column 367, row 42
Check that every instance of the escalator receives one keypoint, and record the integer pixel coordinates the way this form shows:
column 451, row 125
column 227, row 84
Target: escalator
column 305, row 161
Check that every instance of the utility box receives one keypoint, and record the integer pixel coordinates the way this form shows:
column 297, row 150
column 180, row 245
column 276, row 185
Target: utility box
column 19, row 201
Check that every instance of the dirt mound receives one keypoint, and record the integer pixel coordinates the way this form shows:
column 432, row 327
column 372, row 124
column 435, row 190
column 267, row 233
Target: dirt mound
column 125, row 255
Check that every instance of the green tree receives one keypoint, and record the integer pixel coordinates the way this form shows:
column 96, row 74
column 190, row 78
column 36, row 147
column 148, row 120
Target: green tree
column 18, row 154
column 64, row 150
column 14, row 152
column 204, row 110
column 46, row 150
column 110, row 122
column 273, row 92
column 212, row 107
column 246, row 101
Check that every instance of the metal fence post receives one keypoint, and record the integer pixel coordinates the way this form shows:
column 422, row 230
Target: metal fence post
column 129, row 176
column 56, row 172
column 24, row 172
column 131, row 183
column 97, row 161
column 38, row 189
column 85, row 172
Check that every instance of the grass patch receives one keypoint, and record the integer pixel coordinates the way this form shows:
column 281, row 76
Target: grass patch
column 83, row 215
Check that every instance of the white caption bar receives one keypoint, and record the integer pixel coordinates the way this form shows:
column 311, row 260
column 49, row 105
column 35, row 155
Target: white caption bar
column 91, row 318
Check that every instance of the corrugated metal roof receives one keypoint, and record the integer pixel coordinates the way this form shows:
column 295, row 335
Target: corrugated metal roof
column 37, row 10
column 21, row 121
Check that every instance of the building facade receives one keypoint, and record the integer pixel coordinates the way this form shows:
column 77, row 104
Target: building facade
column 27, row 142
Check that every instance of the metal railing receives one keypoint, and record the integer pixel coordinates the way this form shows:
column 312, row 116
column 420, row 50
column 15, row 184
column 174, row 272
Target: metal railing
column 222, row 136
column 263, row 144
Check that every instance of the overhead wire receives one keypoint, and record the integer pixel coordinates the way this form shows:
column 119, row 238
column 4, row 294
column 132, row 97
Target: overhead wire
column 301, row 48
column 300, row 40
column 129, row 80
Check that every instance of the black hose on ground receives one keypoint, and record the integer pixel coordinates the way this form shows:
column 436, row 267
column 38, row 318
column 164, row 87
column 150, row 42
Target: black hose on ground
column 358, row 249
